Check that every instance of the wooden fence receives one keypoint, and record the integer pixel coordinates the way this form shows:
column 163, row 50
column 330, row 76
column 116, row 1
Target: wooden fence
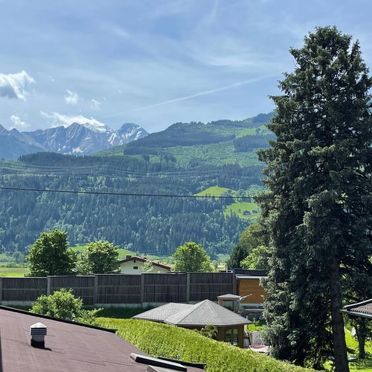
column 122, row 289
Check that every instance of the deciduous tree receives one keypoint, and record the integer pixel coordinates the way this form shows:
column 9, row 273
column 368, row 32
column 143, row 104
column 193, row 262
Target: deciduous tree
column 49, row 255
column 99, row 258
column 192, row 257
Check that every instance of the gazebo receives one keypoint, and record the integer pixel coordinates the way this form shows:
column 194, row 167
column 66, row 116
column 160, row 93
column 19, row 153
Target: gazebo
column 230, row 326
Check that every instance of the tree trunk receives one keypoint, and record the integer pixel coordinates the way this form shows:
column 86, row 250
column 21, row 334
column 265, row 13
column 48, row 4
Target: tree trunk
column 339, row 344
column 361, row 331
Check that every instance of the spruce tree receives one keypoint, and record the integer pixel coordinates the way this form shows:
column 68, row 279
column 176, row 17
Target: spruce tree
column 318, row 202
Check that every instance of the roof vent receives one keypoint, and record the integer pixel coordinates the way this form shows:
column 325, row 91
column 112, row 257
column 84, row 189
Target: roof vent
column 38, row 332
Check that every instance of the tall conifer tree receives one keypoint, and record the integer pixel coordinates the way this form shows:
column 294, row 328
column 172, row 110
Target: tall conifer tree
column 319, row 200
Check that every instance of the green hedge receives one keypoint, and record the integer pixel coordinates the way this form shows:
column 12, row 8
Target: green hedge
column 169, row 341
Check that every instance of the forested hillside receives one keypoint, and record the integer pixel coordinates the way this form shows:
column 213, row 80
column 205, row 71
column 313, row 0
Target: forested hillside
column 170, row 162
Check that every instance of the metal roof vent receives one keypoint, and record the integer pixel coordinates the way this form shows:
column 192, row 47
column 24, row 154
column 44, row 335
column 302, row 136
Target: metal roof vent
column 38, row 332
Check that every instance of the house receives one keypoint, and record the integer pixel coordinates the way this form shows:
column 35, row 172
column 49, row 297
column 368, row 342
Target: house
column 230, row 326
column 36, row 343
column 251, row 291
column 138, row 265
column 362, row 309
column 249, row 285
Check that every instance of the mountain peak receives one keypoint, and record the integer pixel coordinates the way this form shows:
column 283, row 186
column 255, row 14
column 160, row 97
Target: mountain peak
column 3, row 130
column 94, row 125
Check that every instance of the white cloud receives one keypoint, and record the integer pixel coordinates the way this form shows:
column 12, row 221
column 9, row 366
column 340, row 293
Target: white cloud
column 18, row 123
column 15, row 85
column 57, row 119
column 95, row 104
column 71, row 98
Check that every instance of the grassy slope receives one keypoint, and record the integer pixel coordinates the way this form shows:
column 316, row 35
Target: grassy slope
column 169, row 341
column 214, row 154
column 214, row 191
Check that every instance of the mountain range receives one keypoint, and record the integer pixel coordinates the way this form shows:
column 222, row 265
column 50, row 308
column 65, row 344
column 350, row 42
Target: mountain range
column 213, row 159
column 79, row 139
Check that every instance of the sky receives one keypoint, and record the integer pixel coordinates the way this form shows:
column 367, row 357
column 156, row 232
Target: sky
column 155, row 62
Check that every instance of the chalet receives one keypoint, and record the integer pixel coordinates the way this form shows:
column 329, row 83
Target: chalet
column 230, row 326
column 138, row 265
column 36, row 343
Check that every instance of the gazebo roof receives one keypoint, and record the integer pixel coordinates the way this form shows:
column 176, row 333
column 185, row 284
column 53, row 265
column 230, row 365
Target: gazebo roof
column 199, row 315
column 160, row 313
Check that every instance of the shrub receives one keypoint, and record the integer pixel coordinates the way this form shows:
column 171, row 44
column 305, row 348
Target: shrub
column 63, row 304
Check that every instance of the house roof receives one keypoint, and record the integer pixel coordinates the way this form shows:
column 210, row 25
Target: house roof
column 199, row 315
column 363, row 309
column 68, row 346
column 249, row 273
column 143, row 259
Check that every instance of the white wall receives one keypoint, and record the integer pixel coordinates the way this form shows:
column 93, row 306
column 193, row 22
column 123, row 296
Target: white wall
column 129, row 268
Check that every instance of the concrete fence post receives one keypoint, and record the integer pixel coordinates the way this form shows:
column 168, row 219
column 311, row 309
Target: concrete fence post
column 187, row 287
column 1, row 290
column 142, row 288
column 95, row 290
column 235, row 284
column 49, row 284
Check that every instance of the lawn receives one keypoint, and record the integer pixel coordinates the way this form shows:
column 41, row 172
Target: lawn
column 12, row 271
column 245, row 210
column 359, row 365
column 215, row 191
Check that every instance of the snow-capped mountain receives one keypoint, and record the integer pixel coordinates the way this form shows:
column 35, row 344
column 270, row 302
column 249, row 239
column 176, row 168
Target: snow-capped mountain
column 76, row 138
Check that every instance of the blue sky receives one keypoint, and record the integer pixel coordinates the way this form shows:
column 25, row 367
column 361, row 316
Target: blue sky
column 155, row 62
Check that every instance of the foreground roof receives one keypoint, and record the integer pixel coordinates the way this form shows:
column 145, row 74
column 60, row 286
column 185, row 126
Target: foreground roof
column 68, row 347
column 199, row 315
column 363, row 309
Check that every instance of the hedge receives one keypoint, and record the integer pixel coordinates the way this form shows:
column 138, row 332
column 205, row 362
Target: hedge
column 157, row 339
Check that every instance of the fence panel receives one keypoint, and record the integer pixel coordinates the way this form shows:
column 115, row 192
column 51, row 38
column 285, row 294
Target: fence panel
column 205, row 286
column 82, row 286
column 23, row 289
column 170, row 287
column 119, row 289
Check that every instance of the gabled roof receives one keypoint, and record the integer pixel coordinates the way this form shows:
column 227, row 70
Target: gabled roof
column 145, row 260
column 363, row 309
column 199, row 315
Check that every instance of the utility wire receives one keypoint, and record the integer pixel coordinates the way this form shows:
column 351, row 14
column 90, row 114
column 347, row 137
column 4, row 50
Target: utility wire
column 112, row 193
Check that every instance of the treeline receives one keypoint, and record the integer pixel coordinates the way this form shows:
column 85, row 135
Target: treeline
column 252, row 143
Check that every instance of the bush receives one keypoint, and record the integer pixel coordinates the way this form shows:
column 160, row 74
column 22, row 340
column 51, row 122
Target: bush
column 63, row 304
column 169, row 341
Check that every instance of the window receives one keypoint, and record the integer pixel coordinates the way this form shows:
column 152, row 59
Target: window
column 231, row 336
column 135, row 267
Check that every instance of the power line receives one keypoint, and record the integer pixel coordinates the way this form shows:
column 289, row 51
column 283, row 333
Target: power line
column 112, row 193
